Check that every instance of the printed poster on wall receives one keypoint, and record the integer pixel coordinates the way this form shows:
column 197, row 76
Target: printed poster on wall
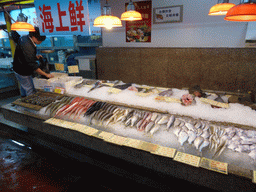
column 58, row 17
column 140, row 31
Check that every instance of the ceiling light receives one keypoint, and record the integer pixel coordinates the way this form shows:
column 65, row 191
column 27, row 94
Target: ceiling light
column 106, row 19
column 245, row 11
column 221, row 8
column 21, row 24
column 131, row 14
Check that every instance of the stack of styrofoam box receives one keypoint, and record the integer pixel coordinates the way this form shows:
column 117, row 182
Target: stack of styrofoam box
column 66, row 82
column 40, row 83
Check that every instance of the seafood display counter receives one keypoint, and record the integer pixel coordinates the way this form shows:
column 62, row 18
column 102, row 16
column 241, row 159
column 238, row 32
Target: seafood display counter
column 215, row 154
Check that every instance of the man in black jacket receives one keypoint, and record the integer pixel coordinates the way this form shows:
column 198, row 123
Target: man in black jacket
column 25, row 60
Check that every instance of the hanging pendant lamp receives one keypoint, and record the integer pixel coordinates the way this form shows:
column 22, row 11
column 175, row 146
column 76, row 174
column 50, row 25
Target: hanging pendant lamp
column 131, row 14
column 221, row 8
column 106, row 19
column 245, row 11
column 21, row 23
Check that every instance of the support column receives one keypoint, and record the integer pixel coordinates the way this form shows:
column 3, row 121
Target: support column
column 8, row 26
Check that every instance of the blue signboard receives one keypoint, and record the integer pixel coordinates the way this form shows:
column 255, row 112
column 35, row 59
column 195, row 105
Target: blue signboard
column 63, row 17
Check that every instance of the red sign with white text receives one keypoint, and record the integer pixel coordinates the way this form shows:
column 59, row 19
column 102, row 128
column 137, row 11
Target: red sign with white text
column 140, row 31
column 62, row 17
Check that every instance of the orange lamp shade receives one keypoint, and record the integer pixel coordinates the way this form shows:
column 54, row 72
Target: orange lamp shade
column 220, row 9
column 22, row 26
column 107, row 21
column 242, row 12
column 131, row 16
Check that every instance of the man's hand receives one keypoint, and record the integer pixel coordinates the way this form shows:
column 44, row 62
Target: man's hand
column 38, row 56
column 49, row 76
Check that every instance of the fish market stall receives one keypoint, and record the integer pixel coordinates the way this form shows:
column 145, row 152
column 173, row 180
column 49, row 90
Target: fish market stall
column 169, row 130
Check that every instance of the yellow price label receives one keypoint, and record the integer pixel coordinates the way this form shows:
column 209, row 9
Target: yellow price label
column 117, row 140
column 73, row 69
column 213, row 165
column 134, row 143
column 187, row 159
column 59, row 90
column 165, row 151
column 59, row 67
column 114, row 90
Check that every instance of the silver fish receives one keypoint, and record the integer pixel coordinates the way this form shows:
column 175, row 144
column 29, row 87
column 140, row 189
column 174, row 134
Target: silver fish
column 134, row 119
column 184, row 128
column 154, row 116
column 190, row 126
column 163, row 120
column 232, row 146
column 198, row 125
column 176, row 122
column 191, row 136
column 243, row 148
column 108, row 115
column 199, row 132
column 92, row 116
column 183, row 137
column 139, row 123
column 176, row 131
column 220, row 149
column 155, row 129
column 205, row 143
column 252, row 154
column 198, row 141
column 128, row 122
column 158, row 119
column 205, row 134
column 170, row 122
column 149, row 126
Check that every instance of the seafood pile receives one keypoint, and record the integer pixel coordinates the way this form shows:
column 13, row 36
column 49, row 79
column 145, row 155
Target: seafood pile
column 41, row 99
column 58, row 104
column 240, row 140
column 141, row 120
column 198, row 133
column 75, row 107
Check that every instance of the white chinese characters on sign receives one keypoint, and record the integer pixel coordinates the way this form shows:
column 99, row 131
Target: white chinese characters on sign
column 63, row 17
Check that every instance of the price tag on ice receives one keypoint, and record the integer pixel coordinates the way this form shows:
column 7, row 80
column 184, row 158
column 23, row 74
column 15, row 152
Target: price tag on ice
column 59, row 90
column 214, row 165
column 114, row 90
column 134, row 143
column 73, row 69
column 145, row 146
column 214, row 103
column 167, row 99
column 165, row 151
column 187, row 159
column 51, row 121
column 89, row 131
column 106, row 135
column 117, row 140
column 254, row 176
column 79, row 127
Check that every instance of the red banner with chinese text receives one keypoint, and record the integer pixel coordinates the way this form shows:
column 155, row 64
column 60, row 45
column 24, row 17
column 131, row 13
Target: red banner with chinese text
column 140, row 31
column 63, row 17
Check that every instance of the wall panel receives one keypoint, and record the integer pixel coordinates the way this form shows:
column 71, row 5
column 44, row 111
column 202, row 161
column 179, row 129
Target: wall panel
column 223, row 69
